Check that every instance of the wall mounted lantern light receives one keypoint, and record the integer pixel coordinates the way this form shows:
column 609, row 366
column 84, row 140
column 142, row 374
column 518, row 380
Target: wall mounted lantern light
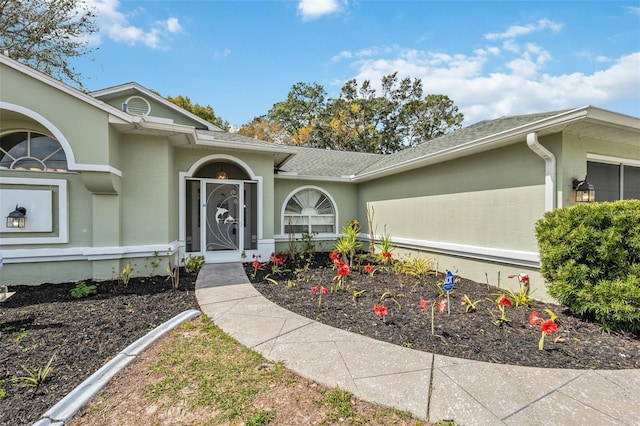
column 17, row 218
column 585, row 192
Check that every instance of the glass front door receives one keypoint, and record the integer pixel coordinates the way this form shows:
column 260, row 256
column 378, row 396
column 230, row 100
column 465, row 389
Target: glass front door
column 223, row 216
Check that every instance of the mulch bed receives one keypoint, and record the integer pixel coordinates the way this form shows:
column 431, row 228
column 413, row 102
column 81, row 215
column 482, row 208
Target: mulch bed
column 579, row 343
column 41, row 322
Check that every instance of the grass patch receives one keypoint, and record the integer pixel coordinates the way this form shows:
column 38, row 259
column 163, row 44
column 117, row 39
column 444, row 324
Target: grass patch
column 205, row 371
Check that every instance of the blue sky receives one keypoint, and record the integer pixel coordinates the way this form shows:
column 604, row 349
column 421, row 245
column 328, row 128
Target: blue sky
column 493, row 58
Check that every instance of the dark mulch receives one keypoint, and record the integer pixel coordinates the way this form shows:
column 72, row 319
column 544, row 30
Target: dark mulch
column 44, row 321
column 472, row 335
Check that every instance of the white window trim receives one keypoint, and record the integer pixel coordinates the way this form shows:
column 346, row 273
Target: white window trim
column 63, row 212
column 302, row 188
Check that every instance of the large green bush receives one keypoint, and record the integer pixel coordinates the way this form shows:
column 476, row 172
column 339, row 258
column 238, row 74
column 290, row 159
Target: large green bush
column 590, row 258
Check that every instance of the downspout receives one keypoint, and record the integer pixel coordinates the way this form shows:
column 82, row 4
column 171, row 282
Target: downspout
column 549, row 170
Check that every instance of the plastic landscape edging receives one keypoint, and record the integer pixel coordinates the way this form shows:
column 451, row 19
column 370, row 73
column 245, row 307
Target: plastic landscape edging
column 67, row 407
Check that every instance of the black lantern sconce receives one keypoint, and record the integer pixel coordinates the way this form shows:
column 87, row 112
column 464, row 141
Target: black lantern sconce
column 585, row 192
column 17, row 218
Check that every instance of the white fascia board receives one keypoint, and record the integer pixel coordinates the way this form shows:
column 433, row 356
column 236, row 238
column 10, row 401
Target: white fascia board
column 58, row 85
column 296, row 176
column 478, row 145
column 205, row 141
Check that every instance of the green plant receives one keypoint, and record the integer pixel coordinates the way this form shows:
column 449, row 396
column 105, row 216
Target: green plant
column 590, row 256
column 414, row 266
column 307, row 239
column 356, row 293
column 469, row 305
column 546, row 326
column 521, row 297
column 341, row 402
column 261, row 418
column 502, row 301
column 193, row 263
column 82, row 290
column 154, row 264
column 385, row 255
column 126, row 274
column 348, row 244
column 34, row 377
column 393, row 296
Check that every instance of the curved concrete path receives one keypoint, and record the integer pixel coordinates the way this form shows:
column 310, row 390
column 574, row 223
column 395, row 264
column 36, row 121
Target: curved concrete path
column 432, row 387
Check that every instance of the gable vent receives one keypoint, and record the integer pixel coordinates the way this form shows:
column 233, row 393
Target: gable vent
column 136, row 105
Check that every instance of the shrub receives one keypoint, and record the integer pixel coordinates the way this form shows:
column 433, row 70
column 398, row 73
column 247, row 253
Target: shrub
column 193, row 263
column 590, row 258
column 82, row 290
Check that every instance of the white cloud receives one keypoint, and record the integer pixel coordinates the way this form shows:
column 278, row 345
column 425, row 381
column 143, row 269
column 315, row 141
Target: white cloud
column 314, row 9
column 634, row 10
column 117, row 26
column 520, row 30
column 483, row 88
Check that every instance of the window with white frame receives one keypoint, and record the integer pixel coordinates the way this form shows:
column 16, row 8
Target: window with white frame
column 309, row 210
column 614, row 180
column 32, row 151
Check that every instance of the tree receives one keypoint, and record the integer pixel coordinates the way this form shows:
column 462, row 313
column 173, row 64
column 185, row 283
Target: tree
column 362, row 120
column 264, row 129
column 299, row 114
column 45, row 34
column 205, row 112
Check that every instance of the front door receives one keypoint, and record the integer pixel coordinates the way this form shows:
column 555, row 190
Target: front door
column 222, row 221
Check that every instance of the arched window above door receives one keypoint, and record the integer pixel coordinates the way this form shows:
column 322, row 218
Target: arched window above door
column 25, row 150
column 309, row 210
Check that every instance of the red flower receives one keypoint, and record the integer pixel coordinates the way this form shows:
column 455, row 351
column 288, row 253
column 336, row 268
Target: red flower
column 333, row 255
column 380, row 310
column 256, row 264
column 314, row 289
column 386, row 254
column 324, row 291
column 276, row 260
column 368, row 269
column 523, row 278
column 423, row 304
column 343, row 270
column 534, row 319
column 505, row 301
column 549, row 327
column 442, row 305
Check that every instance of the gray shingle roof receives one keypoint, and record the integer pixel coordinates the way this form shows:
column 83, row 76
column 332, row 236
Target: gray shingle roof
column 328, row 163
column 471, row 133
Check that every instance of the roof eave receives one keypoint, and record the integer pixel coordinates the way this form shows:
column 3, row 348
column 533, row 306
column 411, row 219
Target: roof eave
column 489, row 142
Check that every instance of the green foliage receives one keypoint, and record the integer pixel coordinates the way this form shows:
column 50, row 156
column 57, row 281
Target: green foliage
column 361, row 119
column 393, row 296
column 348, row 244
column 193, row 263
column 34, row 377
column 414, row 266
column 82, row 290
column 45, row 34
column 341, row 402
column 126, row 274
column 308, row 244
column 153, row 264
column 470, row 305
column 261, row 418
column 590, row 256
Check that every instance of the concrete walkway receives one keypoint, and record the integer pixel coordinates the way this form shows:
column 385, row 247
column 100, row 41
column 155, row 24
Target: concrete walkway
column 432, row 387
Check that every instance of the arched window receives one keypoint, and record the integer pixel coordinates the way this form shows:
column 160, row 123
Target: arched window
column 309, row 210
column 31, row 151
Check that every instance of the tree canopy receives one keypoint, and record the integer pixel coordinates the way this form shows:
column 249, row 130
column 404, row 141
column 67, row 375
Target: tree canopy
column 45, row 34
column 205, row 112
column 360, row 119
